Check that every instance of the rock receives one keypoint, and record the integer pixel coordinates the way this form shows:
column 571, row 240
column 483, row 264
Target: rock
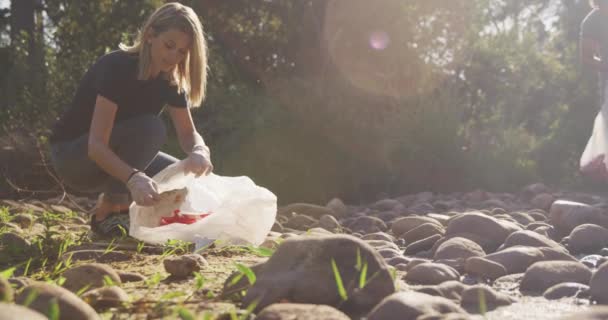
column 328, row 222
column 516, row 259
column 388, row 253
column 337, row 207
column 405, row 224
column 98, row 255
column 24, row 220
column 592, row 313
column 277, row 227
column 89, row 275
column 542, row 201
column 184, row 266
column 394, row 261
column 471, row 299
column 452, row 290
column 422, row 245
column 522, row 218
column 6, row 290
column 599, row 284
column 386, row 204
column 567, row 215
column 528, row 238
column 411, row 305
column 379, row 236
column 484, row 268
column 486, row 231
column 593, row 261
column 422, row 231
column 15, row 311
column 130, row 277
column 367, row 224
column 567, row 290
column 380, row 244
column 15, row 243
column 300, row 222
column 300, row 270
column 532, row 190
column 19, row 282
column 106, row 297
column 457, row 247
column 588, row 238
column 556, row 254
column 431, row 273
column 311, row 210
column 289, row 311
column 545, row 274
column 538, row 216
column 70, row 306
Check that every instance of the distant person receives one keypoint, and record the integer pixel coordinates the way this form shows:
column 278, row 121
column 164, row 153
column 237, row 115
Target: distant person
column 594, row 42
column 109, row 138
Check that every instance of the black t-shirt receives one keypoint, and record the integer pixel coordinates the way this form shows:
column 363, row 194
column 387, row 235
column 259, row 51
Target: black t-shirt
column 114, row 76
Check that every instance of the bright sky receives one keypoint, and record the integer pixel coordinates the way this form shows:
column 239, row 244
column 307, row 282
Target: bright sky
column 4, row 4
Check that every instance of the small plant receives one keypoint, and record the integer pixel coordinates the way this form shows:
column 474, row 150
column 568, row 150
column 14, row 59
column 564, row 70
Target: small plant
column 53, row 311
column 140, row 247
column 338, row 279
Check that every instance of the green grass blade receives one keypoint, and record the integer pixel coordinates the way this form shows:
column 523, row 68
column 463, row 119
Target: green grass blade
column 363, row 276
column 247, row 272
column 338, row 279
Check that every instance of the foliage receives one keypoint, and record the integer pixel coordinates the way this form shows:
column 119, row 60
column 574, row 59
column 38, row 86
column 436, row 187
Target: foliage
column 317, row 99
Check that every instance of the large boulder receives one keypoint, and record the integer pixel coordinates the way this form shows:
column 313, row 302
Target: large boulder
column 90, row 276
column 286, row 311
column 587, row 238
column 567, row 215
column 516, row 259
column 15, row 311
column 599, row 284
column 431, row 273
column 458, row 248
column 405, row 224
column 44, row 295
column 530, row 239
column 304, row 270
column 411, row 305
column 545, row 274
column 485, row 230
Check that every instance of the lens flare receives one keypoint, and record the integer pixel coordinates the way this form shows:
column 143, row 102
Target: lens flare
column 379, row 40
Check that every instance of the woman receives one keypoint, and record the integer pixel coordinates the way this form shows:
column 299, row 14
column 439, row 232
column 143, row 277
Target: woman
column 109, row 139
column 594, row 41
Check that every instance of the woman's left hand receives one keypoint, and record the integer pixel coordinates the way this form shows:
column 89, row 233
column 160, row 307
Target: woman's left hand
column 199, row 161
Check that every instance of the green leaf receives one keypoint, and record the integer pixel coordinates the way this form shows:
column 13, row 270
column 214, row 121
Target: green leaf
column 363, row 276
column 338, row 279
column 185, row 314
column 358, row 266
column 247, row 272
column 8, row 272
column 172, row 295
column 31, row 296
column 53, row 311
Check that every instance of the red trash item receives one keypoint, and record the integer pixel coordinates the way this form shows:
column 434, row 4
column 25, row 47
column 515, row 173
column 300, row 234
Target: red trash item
column 181, row 218
column 596, row 169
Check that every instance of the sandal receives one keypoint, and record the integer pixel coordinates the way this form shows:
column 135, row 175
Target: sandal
column 114, row 225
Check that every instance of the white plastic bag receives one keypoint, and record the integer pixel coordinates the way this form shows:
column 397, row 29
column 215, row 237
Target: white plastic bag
column 593, row 161
column 241, row 211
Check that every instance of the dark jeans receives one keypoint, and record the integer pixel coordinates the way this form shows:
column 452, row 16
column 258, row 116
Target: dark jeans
column 136, row 141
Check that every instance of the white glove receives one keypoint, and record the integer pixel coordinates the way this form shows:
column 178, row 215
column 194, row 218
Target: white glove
column 199, row 161
column 143, row 189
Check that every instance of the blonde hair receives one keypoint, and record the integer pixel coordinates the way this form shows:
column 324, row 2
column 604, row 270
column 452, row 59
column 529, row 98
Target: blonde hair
column 190, row 75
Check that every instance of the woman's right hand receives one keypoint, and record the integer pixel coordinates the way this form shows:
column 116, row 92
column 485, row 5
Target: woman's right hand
column 143, row 189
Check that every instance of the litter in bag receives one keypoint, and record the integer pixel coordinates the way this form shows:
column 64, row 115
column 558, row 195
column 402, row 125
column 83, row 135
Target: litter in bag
column 233, row 210
column 593, row 161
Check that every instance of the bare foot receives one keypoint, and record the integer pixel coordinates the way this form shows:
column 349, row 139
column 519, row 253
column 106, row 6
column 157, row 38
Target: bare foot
column 105, row 207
